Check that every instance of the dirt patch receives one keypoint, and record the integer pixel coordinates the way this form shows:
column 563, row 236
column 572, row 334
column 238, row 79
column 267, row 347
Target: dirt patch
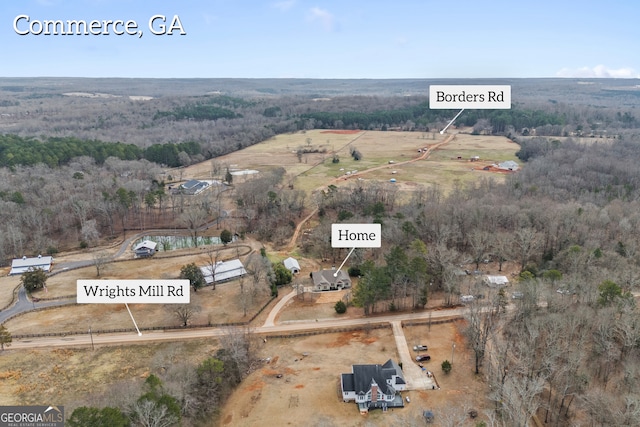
column 308, row 390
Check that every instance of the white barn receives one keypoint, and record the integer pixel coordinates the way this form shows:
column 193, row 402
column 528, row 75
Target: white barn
column 223, row 271
column 21, row 265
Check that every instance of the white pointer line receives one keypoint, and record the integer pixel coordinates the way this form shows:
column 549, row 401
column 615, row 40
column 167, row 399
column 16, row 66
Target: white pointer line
column 134, row 320
column 342, row 265
column 454, row 119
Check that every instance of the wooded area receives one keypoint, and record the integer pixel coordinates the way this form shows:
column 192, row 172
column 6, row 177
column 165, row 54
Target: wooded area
column 568, row 221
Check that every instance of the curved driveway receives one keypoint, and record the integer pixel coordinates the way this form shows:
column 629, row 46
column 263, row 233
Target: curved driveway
column 23, row 304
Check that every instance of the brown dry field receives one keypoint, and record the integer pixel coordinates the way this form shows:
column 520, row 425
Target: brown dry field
column 80, row 376
column 219, row 306
column 377, row 148
column 308, row 391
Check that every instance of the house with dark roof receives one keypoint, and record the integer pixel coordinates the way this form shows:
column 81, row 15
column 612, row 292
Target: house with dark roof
column 328, row 280
column 374, row 386
column 24, row 264
column 145, row 248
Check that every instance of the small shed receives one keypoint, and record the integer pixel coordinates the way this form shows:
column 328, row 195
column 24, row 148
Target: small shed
column 144, row 249
column 292, row 265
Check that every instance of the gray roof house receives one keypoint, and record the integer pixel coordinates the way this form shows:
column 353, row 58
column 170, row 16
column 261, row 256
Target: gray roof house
column 223, row 271
column 145, row 248
column 21, row 265
column 193, row 187
column 292, row 265
column 325, row 280
column 374, row 386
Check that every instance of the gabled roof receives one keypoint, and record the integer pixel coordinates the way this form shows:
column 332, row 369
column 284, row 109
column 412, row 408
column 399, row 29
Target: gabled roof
column 21, row 265
column 291, row 263
column 509, row 165
column 327, row 276
column 365, row 375
column 496, row 280
column 192, row 183
column 146, row 244
column 224, row 270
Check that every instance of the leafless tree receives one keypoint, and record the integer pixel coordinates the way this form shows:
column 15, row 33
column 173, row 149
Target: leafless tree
column 192, row 218
column 184, row 312
column 100, row 259
column 147, row 413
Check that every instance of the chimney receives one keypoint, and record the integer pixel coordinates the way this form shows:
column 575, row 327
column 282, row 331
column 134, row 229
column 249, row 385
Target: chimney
column 374, row 392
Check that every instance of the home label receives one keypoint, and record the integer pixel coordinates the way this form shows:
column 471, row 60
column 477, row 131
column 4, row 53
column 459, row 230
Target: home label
column 356, row 235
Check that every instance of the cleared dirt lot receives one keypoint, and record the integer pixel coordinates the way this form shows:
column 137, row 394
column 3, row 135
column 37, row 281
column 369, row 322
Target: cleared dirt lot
column 308, row 391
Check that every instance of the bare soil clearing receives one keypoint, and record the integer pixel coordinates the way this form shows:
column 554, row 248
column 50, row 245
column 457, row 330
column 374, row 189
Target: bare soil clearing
column 308, row 390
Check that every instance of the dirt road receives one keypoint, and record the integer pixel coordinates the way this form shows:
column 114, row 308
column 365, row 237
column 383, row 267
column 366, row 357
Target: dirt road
column 175, row 335
column 425, row 155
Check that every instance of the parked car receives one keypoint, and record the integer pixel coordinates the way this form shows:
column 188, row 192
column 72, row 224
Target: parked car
column 517, row 295
column 423, row 358
column 420, row 347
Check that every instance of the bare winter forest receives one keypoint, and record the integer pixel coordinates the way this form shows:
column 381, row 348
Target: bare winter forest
column 569, row 351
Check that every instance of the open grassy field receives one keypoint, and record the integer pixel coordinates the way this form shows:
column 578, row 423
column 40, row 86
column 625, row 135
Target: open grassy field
column 445, row 165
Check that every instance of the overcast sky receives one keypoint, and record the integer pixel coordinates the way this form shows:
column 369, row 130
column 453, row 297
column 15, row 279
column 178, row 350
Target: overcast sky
column 330, row 39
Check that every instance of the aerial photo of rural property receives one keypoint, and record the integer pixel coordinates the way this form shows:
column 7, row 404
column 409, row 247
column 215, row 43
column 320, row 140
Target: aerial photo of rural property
column 301, row 214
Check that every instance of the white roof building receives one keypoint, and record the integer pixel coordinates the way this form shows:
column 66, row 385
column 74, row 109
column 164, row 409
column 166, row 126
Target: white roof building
column 146, row 244
column 495, row 281
column 21, row 265
column 145, row 248
column 509, row 165
column 223, row 271
column 292, row 265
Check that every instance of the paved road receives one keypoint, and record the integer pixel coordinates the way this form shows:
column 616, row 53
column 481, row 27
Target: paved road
column 23, row 304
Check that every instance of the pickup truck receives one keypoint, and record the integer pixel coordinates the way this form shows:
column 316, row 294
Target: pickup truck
column 420, row 347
